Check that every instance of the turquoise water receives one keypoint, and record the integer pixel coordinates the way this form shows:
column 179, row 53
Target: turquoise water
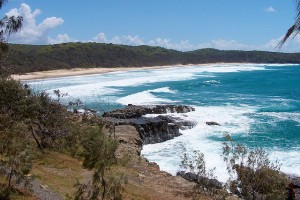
column 259, row 105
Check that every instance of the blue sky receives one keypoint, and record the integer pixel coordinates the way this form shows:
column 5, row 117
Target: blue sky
column 177, row 24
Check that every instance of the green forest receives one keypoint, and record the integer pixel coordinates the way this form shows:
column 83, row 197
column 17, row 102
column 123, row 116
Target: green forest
column 30, row 58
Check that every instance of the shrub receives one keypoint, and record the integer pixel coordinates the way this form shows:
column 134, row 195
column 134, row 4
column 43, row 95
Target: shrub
column 205, row 179
column 253, row 175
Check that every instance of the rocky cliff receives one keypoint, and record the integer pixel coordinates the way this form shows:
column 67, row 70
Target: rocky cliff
column 155, row 129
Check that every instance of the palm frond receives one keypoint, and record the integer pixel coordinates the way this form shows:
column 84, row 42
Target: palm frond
column 295, row 29
column 13, row 24
column 2, row 2
column 298, row 9
column 287, row 35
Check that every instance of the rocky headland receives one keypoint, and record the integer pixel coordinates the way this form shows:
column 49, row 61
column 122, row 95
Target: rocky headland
column 157, row 128
column 133, row 129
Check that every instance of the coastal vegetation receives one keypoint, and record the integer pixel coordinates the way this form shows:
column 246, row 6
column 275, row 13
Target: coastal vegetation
column 39, row 135
column 33, row 125
column 31, row 58
column 252, row 174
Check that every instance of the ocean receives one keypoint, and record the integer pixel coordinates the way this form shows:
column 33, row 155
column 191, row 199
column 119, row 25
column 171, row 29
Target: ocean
column 258, row 104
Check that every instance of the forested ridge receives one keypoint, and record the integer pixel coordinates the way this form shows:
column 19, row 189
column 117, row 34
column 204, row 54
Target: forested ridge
column 30, row 58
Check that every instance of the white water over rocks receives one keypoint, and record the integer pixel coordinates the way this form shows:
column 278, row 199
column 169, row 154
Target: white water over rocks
column 234, row 119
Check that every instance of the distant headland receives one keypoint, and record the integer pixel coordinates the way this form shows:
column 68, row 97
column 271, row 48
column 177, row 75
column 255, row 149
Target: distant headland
column 34, row 58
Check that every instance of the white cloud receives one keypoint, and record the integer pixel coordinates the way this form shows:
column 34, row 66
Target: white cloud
column 32, row 32
column 61, row 38
column 224, row 45
column 292, row 45
column 183, row 45
column 270, row 10
column 125, row 39
column 101, row 37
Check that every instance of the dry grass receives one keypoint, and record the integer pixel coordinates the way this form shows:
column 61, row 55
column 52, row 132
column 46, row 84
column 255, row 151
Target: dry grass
column 58, row 172
column 22, row 197
column 148, row 183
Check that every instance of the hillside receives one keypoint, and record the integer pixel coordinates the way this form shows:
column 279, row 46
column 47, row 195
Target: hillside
column 30, row 58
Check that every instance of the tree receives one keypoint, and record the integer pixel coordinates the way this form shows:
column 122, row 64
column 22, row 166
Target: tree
column 98, row 155
column 8, row 25
column 295, row 29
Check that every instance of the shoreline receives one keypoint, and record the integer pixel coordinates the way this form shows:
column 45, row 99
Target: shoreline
column 80, row 72
column 93, row 71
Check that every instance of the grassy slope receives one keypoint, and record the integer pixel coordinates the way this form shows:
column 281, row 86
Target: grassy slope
column 59, row 172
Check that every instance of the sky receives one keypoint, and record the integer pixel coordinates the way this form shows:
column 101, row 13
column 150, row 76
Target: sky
column 176, row 24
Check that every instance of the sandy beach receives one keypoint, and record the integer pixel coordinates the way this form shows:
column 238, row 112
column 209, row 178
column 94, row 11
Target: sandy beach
column 90, row 71
column 79, row 71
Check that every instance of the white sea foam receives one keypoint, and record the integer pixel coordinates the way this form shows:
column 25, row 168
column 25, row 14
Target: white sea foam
column 81, row 91
column 283, row 116
column 163, row 90
column 102, row 84
column 232, row 119
column 143, row 98
column 211, row 82
column 289, row 159
column 279, row 65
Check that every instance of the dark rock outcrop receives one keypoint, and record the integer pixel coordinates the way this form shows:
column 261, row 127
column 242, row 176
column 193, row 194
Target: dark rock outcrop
column 212, row 124
column 214, row 183
column 133, row 111
column 152, row 130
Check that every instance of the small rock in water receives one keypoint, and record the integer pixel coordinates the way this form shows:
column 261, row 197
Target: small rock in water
column 212, row 124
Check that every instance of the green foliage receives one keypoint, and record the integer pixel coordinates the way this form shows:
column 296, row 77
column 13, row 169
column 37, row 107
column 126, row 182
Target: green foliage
column 8, row 25
column 29, row 58
column 44, row 118
column 15, row 144
column 252, row 173
column 98, row 153
column 98, row 149
column 29, row 121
